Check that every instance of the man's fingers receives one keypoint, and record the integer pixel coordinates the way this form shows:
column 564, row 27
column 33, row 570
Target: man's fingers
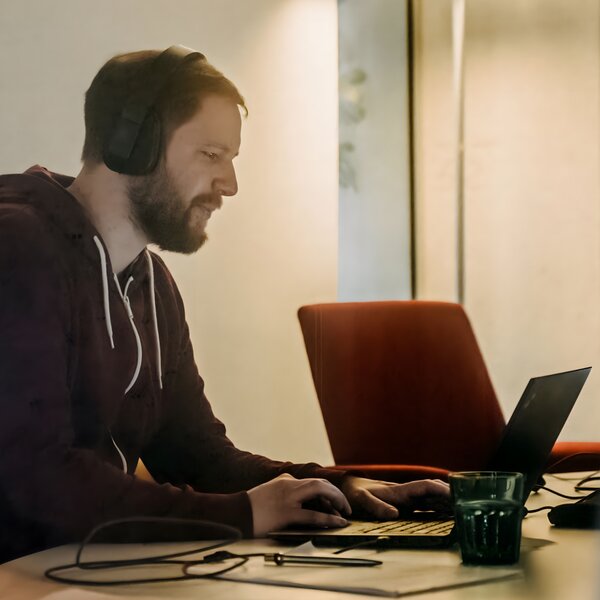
column 380, row 498
column 312, row 488
column 328, row 507
column 320, row 504
column 302, row 516
column 406, row 493
column 377, row 507
column 381, row 501
column 279, row 503
column 429, row 487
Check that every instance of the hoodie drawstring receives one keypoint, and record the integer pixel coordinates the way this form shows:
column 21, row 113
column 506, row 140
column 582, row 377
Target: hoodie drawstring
column 104, row 268
column 154, row 317
column 109, row 329
column 138, row 341
column 122, row 456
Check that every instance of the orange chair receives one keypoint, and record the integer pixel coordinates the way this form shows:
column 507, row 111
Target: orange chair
column 405, row 392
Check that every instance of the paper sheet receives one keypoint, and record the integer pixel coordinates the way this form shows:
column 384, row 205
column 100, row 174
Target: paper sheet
column 401, row 574
column 78, row 594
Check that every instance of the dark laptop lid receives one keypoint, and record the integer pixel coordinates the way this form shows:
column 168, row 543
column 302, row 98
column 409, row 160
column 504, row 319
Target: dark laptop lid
column 536, row 423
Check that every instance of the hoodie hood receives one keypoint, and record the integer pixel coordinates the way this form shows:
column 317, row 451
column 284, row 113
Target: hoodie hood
column 46, row 193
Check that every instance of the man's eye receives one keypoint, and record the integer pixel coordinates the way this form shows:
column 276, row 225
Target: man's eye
column 211, row 155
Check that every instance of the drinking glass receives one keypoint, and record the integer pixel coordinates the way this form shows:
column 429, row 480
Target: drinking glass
column 488, row 507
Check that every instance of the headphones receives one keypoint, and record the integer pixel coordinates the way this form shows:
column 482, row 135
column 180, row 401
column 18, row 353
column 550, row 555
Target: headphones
column 133, row 146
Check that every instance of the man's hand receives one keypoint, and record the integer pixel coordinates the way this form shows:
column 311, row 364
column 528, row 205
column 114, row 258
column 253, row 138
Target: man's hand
column 380, row 498
column 278, row 503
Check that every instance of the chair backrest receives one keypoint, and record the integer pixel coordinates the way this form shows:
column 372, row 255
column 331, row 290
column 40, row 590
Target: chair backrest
column 402, row 382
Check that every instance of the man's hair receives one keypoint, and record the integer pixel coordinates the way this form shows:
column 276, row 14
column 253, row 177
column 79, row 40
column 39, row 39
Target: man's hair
column 125, row 75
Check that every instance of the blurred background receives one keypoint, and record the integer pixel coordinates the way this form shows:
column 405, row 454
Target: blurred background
column 395, row 149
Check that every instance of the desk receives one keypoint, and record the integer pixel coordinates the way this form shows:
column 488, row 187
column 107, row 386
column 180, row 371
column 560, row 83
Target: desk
column 567, row 568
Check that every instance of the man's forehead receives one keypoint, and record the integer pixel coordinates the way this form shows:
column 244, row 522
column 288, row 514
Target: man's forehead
column 216, row 123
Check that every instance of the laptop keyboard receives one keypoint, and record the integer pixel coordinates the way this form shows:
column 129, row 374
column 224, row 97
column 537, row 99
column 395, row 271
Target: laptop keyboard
column 442, row 527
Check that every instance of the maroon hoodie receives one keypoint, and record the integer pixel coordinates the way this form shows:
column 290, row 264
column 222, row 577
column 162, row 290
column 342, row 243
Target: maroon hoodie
column 96, row 372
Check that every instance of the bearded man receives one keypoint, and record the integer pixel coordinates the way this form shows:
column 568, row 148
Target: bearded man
column 96, row 364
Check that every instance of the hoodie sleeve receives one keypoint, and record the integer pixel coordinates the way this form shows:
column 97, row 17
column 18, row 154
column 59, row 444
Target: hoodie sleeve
column 192, row 446
column 44, row 479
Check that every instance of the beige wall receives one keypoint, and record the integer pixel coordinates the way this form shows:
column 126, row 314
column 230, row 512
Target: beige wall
column 274, row 246
column 532, row 186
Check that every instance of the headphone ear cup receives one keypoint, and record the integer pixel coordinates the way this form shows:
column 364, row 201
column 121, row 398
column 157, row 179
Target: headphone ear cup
column 146, row 151
column 144, row 155
column 133, row 144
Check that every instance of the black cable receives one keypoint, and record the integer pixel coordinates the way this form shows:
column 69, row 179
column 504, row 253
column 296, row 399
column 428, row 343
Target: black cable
column 528, row 512
column 232, row 534
column 243, row 559
column 543, row 487
column 170, row 559
column 581, row 487
column 218, row 529
column 555, row 476
column 577, row 498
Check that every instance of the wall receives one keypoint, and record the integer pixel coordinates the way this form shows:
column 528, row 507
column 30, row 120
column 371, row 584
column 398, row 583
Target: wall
column 273, row 247
column 532, row 191
column 374, row 208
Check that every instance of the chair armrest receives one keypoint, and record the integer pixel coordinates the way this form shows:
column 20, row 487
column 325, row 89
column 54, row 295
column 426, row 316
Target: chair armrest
column 395, row 473
column 574, row 456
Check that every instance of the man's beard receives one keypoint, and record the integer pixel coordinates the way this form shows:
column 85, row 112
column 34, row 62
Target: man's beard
column 158, row 209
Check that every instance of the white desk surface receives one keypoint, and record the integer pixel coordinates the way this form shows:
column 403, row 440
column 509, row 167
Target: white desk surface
column 566, row 568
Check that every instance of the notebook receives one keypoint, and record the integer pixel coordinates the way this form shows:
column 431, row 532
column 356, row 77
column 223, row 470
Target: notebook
column 525, row 446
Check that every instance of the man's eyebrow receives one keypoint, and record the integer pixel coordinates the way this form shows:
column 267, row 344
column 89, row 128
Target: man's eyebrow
column 220, row 146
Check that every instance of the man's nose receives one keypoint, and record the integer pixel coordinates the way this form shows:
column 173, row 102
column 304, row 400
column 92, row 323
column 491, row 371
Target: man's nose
column 227, row 184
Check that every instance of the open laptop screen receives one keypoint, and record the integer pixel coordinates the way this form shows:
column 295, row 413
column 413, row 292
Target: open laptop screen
column 536, row 423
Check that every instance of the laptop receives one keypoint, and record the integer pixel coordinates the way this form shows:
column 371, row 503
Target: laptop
column 525, row 446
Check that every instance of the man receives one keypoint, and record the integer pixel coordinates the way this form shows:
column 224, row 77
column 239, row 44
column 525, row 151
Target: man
column 96, row 363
